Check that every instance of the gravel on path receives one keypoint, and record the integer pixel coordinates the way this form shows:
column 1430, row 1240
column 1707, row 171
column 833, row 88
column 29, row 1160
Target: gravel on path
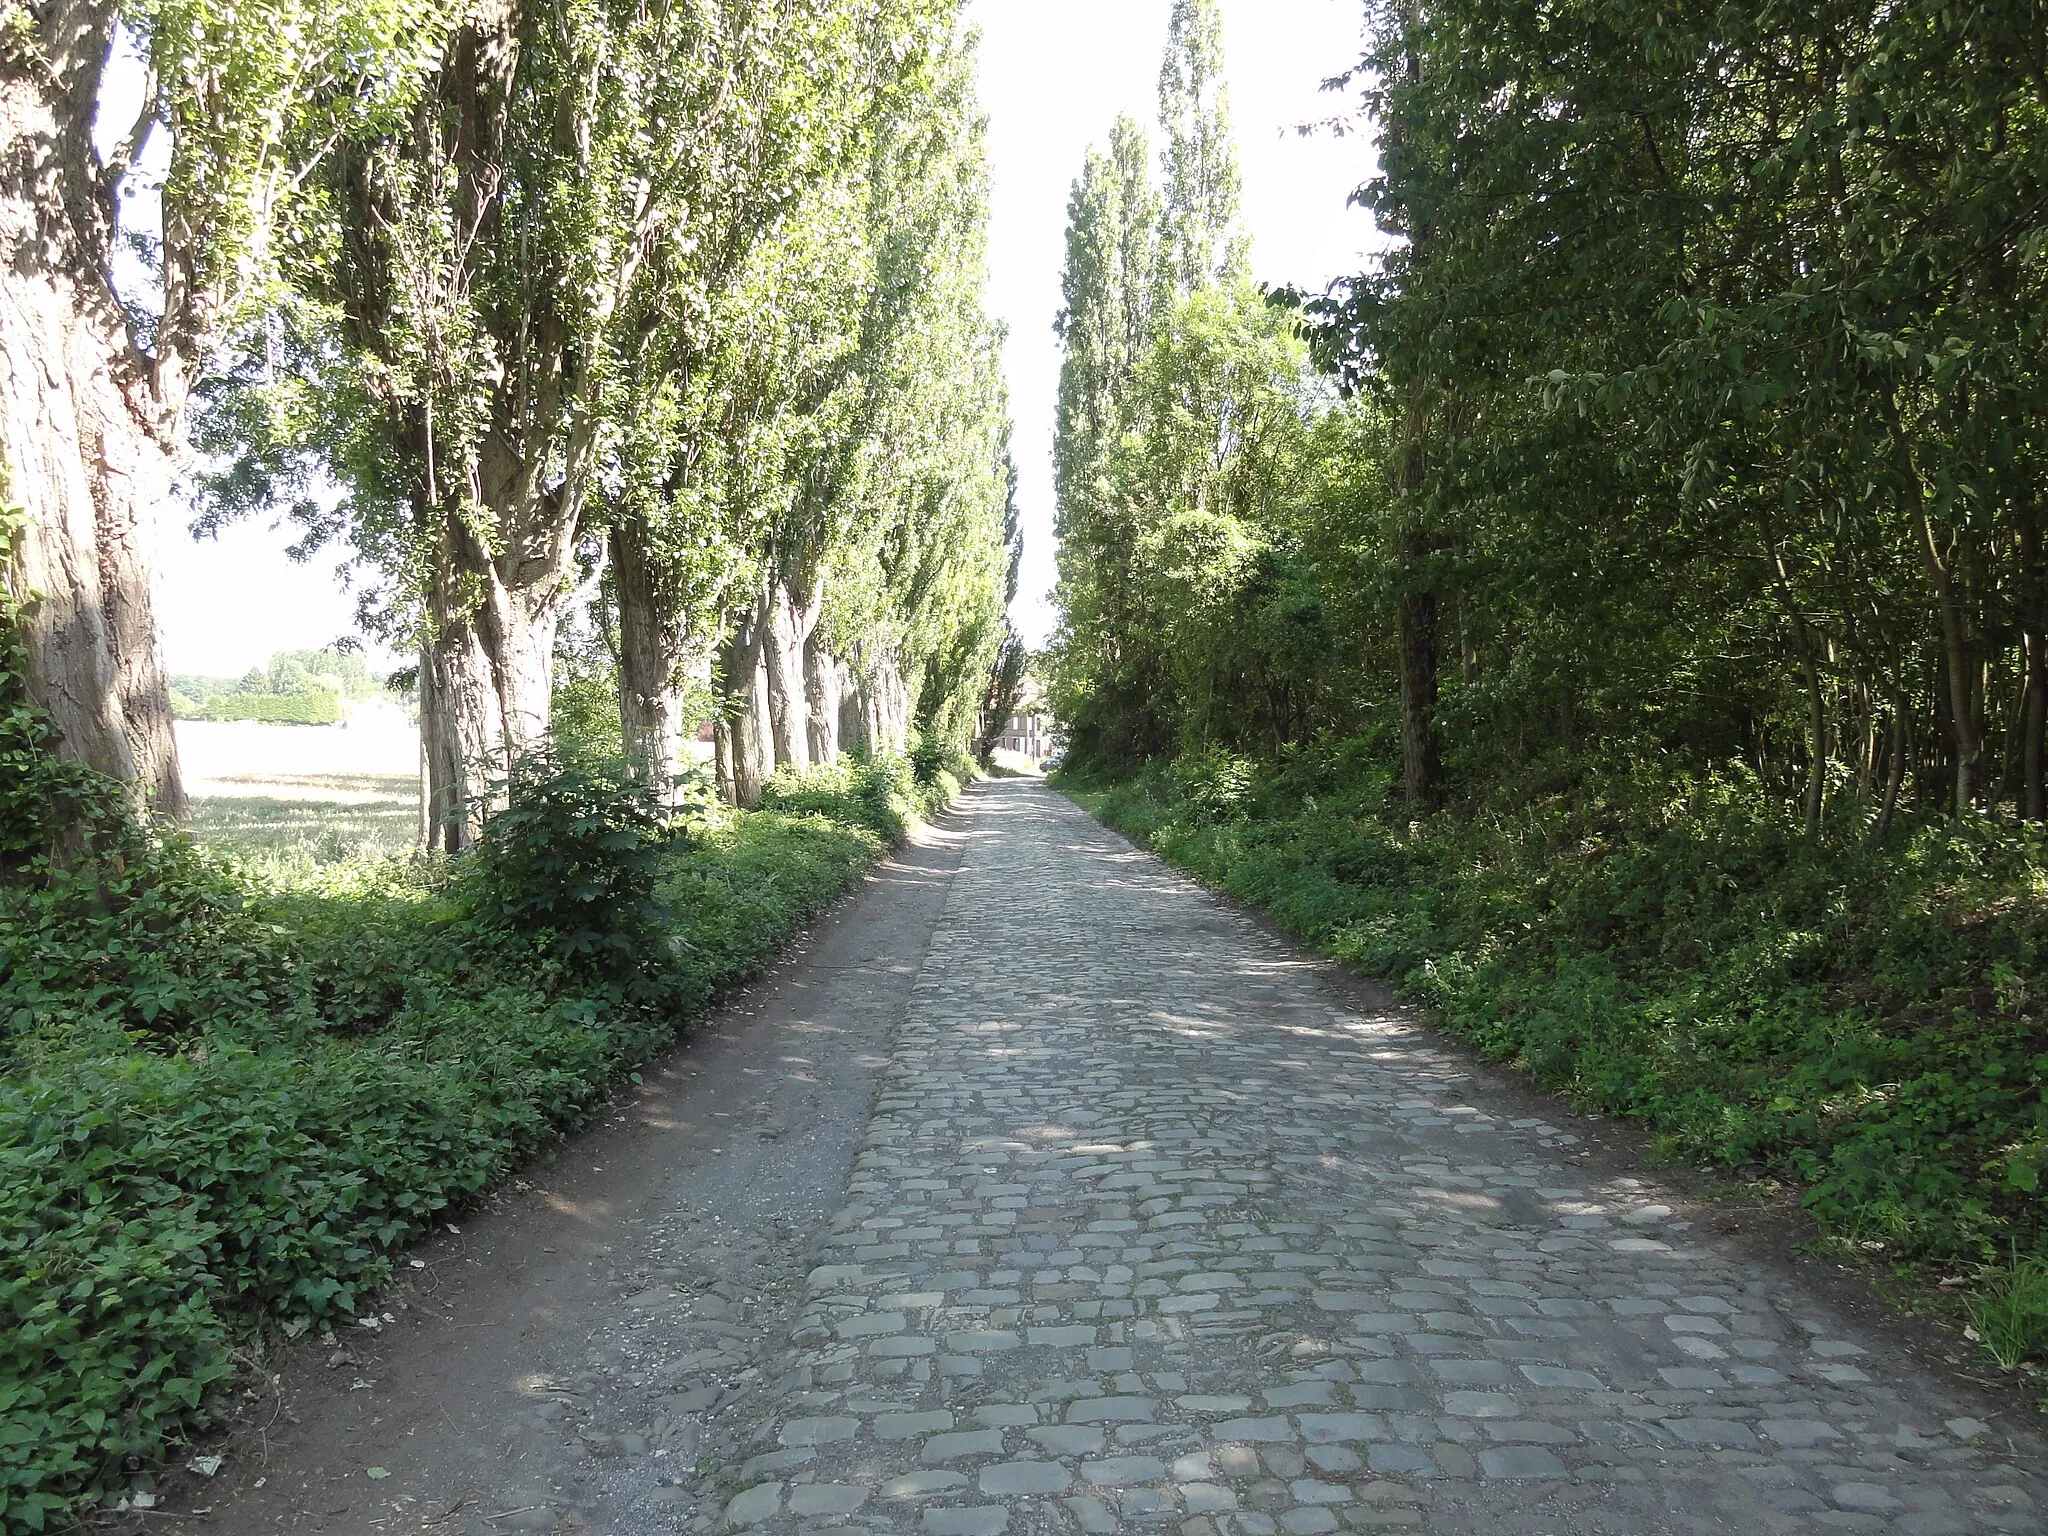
column 1153, row 1229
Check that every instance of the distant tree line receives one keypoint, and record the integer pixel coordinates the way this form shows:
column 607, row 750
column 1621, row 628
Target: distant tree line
column 1694, row 421
column 318, row 685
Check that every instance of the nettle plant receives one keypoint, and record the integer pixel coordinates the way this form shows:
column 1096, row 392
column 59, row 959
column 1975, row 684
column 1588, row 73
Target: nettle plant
column 571, row 865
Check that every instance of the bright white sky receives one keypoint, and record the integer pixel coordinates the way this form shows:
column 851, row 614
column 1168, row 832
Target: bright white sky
column 1055, row 74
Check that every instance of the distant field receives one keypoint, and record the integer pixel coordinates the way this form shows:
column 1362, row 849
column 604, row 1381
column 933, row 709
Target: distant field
column 303, row 795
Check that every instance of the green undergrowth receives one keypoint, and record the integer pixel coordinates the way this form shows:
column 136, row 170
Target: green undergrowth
column 887, row 795
column 1868, row 1019
column 230, row 1094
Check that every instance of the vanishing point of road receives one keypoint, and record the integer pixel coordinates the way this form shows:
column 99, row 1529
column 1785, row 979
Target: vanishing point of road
column 1045, row 1192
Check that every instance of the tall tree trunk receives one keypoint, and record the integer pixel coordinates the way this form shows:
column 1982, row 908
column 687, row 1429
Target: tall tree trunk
column 1955, row 639
column 814, row 676
column 429, row 827
column 1421, row 755
column 754, row 741
column 87, row 445
column 1817, row 735
column 742, row 722
column 821, row 699
column 722, row 761
column 1866, row 743
column 885, row 707
column 461, row 735
column 900, row 707
column 1816, row 702
column 874, row 715
column 463, row 728
column 783, row 652
column 2034, row 721
column 486, row 672
column 1421, row 749
column 650, row 659
column 853, row 730
column 1895, row 767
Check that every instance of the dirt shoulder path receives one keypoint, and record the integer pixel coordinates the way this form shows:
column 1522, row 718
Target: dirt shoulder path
column 574, row 1355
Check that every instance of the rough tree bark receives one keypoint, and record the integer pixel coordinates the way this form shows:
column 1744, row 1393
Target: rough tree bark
column 884, row 706
column 853, row 726
column 487, row 667
column 650, row 657
column 807, row 688
column 89, row 426
column 742, row 729
column 782, row 651
column 821, row 699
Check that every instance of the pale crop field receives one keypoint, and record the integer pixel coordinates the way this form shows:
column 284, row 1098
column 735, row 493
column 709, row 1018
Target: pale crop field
column 304, row 794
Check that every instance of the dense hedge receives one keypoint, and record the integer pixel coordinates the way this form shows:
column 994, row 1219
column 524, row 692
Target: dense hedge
column 1870, row 1020
column 319, row 707
column 225, row 1106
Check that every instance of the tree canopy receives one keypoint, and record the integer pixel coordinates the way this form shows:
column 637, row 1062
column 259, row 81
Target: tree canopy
column 1691, row 416
column 673, row 310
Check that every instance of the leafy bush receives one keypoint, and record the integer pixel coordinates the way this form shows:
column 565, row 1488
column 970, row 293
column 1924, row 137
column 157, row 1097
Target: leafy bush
column 227, row 1103
column 886, row 794
column 1869, row 1020
column 570, row 864
column 929, row 757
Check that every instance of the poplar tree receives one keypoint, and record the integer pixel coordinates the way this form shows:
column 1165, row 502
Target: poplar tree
column 243, row 106
column 920, row 554
column 1199, row 236
column 713, row 377
column 576, row 185
column 1109, row 286
column 1135, row 254
column 798, row 415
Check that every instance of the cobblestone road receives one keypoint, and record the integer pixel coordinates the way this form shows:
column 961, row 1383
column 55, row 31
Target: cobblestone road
column 1151, row 1230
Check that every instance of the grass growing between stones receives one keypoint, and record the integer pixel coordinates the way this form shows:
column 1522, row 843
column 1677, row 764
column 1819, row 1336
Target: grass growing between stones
column 2009, row 1312
column 1867, row 1019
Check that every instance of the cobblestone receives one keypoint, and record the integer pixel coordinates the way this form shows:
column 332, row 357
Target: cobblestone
column 1154, row 1229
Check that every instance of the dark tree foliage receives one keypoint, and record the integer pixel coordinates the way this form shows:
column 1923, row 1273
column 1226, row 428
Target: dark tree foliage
column 1721, row 327
column 1640, row 653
